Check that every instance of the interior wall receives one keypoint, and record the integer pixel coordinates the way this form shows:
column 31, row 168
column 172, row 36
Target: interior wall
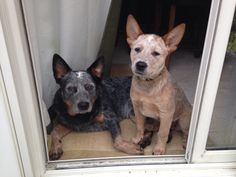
column 71, row 28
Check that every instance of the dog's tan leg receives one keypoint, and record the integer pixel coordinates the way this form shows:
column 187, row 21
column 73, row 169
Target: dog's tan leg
column 162, row 135
column 184, row 123
column 127, row 147
column 56, row 147
column 140, row 125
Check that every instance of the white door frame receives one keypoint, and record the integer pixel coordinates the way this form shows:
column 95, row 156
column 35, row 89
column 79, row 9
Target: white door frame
column 26, row 130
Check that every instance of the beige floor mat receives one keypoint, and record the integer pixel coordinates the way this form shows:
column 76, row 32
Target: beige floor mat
column 77, row 145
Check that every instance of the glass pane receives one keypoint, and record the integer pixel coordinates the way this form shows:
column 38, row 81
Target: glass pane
column 222, row 134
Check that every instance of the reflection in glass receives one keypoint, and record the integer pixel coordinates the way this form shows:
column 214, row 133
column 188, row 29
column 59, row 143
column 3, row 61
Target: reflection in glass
column 222, row 134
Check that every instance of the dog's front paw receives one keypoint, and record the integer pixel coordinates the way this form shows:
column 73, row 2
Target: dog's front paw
column 146, row 140
column 55, row 151
column 159, row 149
column 127, row 147
column 137, row 139
column 131, row 148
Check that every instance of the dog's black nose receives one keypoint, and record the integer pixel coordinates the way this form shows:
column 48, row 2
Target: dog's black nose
column 83, row 105
column 141, row 66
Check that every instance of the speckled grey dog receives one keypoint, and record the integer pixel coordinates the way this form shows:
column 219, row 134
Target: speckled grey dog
column 86, row 102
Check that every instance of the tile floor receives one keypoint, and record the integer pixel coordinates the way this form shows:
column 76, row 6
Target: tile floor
column 222, row 133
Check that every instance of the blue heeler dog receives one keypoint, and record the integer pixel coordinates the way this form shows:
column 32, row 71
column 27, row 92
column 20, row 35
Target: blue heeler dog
column 86, row 102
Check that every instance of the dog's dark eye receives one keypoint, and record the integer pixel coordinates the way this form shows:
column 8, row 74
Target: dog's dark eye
column 155, row 53
column 137, row 49
column 72, row 89
column 88, row 87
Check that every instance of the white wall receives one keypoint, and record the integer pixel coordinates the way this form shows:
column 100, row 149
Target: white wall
column 8, row 146
column 9, row 160
column 71, row 28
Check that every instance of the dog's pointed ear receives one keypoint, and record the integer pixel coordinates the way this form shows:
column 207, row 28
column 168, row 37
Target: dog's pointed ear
column 60, row 67
column 173, row 38
column 96, row 69
column 133, row 30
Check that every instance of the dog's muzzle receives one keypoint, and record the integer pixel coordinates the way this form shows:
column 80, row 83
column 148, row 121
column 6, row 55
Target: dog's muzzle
column 140, row 66
column 83, row 106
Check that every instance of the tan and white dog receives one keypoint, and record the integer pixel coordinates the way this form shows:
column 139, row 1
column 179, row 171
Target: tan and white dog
column 153, row 92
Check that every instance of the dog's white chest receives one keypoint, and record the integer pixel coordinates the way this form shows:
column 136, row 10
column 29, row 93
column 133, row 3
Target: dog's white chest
column 149, row 110
column 149, row 114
